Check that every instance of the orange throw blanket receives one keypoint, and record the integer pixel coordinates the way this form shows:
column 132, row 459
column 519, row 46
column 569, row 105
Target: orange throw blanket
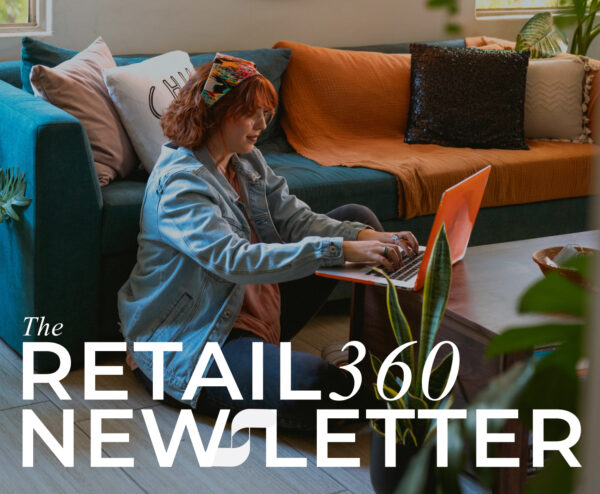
column 350, row 109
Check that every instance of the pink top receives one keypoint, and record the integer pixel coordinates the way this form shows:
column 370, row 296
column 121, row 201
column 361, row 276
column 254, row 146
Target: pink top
column 261, row 308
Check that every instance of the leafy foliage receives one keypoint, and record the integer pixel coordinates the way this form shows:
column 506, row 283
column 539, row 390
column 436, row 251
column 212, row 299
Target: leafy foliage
column 541, row 37
column 548, row 382
column 435, row 297
column 12, row 193
column 451, row 8
column 581, row 13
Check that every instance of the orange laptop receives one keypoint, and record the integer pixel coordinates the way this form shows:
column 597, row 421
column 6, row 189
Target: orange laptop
column 457, row 210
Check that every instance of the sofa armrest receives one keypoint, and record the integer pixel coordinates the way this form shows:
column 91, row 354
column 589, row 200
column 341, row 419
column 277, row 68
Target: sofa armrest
column 50, row 260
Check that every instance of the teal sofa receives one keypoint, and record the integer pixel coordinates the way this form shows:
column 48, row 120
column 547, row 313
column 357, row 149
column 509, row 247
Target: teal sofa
column 76, row 243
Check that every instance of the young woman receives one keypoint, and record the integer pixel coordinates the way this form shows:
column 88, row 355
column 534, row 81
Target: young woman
column 227, row 255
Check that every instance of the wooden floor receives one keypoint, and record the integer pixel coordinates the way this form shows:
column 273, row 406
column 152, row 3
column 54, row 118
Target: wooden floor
column 49, row 476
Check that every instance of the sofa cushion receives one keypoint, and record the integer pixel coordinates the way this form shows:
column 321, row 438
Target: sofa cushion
column 326, row 188
column 403, row 47
column 141, row 92
column 36, row 52
column 121, row 214
column 10, row 72
column 77, row 87
column 467, row 97
column 558, row 90
column 271, row 63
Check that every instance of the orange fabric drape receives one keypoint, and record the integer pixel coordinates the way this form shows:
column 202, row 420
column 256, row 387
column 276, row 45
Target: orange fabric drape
column 350, row 109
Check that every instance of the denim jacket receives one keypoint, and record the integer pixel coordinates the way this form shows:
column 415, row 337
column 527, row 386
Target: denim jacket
column 194, row 253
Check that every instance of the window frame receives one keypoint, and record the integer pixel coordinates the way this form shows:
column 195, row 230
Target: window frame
column 40, row 21
column 524, row 13
column 515, row 12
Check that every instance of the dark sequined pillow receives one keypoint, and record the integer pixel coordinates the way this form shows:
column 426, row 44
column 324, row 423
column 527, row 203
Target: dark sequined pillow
column 466, row 97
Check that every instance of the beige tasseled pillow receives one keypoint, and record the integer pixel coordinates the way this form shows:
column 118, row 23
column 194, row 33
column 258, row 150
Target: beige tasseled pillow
column 557, row 98
column 77, row 86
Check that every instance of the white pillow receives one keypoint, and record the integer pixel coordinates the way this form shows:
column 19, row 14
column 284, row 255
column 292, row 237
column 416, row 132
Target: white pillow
column 141, row 92
column 557, row 98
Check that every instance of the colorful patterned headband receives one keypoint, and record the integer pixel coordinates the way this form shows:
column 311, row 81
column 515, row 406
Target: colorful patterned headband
column 225, row 74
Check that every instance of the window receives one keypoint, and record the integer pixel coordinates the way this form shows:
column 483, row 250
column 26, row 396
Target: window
column 17, row 12
column 20, row 17
column 517, row 8
column 517, row 4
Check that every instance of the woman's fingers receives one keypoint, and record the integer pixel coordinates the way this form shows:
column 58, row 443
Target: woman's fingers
column 385, row 262
column 395, row 256
column 407, row 241
column 412, row 241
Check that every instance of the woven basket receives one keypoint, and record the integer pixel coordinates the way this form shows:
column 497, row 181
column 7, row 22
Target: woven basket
column 572, row 275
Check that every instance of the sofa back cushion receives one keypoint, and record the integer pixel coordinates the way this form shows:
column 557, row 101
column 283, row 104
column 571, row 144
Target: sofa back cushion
column 403, row 47
column 558, row 91
column 141, row 92
column 77, row 87
column 344, row 93
column 10, row 72
column 467, row 97
column 36, row 52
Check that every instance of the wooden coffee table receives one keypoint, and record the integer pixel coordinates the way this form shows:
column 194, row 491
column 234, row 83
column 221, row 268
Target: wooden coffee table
column 486, row 287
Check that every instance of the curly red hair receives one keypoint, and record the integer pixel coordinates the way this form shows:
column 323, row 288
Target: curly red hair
column 189, row 121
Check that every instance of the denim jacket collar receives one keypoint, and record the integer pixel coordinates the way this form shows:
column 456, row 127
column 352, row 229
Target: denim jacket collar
column 240, row 165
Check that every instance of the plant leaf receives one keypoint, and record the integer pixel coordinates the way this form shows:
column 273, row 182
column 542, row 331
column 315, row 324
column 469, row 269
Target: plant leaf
column 408, row 435
column 400, row 326
column 519, row 339
column 444, row 404
column 374, row 423
column 414, row 480
column 439, row 378
column 420, row 427
column 557, row 476
column 435, row 297
column 390, row 380
column 554, row 294
column 12, row 193
column 541, row 37
column 582, row 264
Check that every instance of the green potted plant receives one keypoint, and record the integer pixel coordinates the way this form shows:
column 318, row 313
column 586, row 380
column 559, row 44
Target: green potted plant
column 12, row 193
column 411, row 435
column 548, row 382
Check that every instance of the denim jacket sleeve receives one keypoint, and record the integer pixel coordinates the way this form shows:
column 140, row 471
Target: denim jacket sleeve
column 295, row 220
column 190, row 219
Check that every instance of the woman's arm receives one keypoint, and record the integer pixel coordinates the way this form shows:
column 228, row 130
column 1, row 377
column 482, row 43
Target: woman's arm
column 295, row 220
column 190, row 220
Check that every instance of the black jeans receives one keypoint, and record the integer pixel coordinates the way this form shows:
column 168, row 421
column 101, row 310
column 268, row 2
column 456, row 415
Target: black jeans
column 300, row 301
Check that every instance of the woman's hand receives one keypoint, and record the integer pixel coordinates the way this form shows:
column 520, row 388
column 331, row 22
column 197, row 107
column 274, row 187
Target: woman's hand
column 406, row 240
column 389, row 255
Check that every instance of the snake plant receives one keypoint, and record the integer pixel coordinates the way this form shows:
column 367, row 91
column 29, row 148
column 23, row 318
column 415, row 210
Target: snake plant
column 435, row 296
column 12, row 193
column 547, row 382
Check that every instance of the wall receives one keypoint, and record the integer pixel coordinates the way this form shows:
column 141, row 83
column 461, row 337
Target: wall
column 154, row 26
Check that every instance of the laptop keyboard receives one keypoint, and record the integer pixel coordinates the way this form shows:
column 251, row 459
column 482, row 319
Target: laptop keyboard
column 406, row 271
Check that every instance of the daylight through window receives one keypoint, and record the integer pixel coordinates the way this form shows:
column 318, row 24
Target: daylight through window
column 518, row 4
column 16, row 12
